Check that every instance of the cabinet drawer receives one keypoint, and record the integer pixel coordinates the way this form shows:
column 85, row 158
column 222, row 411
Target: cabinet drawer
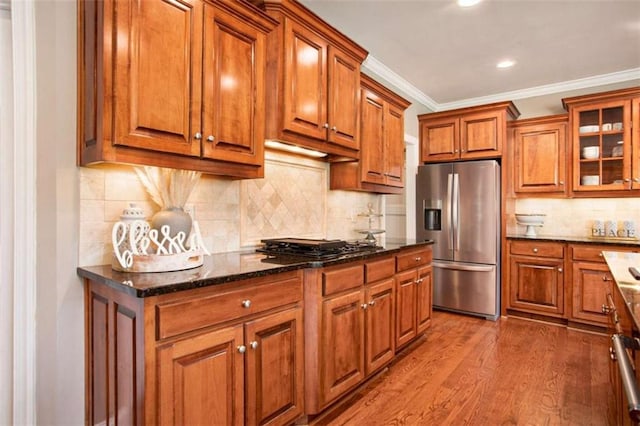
column 593, row 253
column 537, row 248
column 413, row 259
column 342, row 278
column 377, row 270
column 181, row 316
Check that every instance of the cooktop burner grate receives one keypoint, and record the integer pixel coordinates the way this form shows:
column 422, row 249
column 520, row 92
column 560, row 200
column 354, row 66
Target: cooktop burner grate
column 310, row 248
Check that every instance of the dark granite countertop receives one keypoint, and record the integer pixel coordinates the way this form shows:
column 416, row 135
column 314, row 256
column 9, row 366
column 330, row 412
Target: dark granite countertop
column 572, row 239
column 619, row 263
column 222, row 268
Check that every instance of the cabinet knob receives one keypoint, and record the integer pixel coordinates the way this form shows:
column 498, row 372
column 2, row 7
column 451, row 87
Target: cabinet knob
column 210, row 138
column 561, row 182
column 419, row 280
column 636, row 179
column 254, row 345
column 325, row 125
column 373, row 302
column 606, row 278
column 242, row 349
column 535, row 249
column 334, row 128
column 197, row 136
column 364, row 306
column 627, row 180
column 559, row 269
column 612, row 353
column 418, row 259
column 606, row 309
column 246, row 303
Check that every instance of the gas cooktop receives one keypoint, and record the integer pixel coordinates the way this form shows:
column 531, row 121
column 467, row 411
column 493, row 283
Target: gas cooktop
column 314, row 249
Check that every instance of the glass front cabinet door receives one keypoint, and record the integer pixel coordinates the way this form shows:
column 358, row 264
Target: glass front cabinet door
column 602, row 142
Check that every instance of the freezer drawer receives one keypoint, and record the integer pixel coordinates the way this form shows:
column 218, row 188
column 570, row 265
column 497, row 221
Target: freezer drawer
column 467, row 288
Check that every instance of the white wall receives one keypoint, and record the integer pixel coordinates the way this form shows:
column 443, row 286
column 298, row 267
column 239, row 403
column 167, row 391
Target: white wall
column 60, row 315
column 6, row 217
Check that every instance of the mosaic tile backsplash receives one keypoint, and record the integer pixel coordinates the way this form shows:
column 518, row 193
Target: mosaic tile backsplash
column 292, row 200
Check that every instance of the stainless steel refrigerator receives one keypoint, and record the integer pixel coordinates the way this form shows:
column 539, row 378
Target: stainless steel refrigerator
column 458, row 207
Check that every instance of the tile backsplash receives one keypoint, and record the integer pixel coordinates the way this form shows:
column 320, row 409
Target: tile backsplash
column 292, row 199
column 573, row 217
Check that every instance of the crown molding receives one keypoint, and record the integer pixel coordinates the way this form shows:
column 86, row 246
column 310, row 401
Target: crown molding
column 374, row 66
column 548, row 89
column 380, row 70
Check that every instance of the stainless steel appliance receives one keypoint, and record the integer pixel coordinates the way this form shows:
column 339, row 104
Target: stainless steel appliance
column 458, row 207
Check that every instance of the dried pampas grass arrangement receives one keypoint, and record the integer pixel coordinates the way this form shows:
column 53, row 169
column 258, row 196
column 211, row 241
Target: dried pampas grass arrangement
column 168, row 188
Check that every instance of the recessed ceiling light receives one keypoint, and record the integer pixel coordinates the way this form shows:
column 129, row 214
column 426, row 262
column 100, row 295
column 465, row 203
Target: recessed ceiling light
column 507, row 63
column 468, row 3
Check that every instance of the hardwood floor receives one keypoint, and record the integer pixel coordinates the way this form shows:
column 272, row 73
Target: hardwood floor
column 471, row 371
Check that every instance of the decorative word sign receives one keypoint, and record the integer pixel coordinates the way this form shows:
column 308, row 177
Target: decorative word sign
column 138, row 248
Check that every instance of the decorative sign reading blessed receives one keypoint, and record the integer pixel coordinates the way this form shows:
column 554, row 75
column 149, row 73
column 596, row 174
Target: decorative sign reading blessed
column 138, row 248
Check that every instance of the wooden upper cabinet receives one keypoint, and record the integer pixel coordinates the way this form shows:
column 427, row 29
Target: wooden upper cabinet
column 234, row 89
column 174, row 84
column 604, row 140
column 344, row 100
column 156, row 97
column 465, row 134
column 313, row 82
column 305, row 91
column 381, row 165
column 537, row 155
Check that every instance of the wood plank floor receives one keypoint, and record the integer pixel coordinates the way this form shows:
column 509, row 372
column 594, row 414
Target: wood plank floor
column 470, row 371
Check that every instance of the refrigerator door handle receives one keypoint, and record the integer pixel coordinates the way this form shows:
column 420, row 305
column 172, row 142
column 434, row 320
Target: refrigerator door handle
column 456, row 210
column 449, row 207
column 459, row 267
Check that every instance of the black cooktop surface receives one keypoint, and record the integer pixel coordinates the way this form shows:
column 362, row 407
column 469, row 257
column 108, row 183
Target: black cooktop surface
column 312, row 248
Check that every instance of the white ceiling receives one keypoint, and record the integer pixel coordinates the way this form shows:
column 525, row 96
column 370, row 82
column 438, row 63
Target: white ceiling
column 446, row 56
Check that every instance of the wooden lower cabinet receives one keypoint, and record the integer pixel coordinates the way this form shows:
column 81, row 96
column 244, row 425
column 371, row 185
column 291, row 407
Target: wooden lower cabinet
column 413, row 295
column 536, row 277
column 228, row 354
column 200, row 379
column 349, row 321
column 342, row 344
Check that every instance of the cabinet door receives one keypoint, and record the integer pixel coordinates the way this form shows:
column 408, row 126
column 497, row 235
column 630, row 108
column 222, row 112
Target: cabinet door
column 305, row 90
column 424, row 300
column 591, row 284
column 342, row 344
column 440, row 139
column 406, row 293
column 156, row 76
column 234, row 89
column 635, row 144
column 540, row 158
column 394, row 146
column 344, row 99
column 536, row 284
column 481, row 135
column 379, row 325
column 275, row 368
column 372, row 159
column 200, row 379
column 608, row 166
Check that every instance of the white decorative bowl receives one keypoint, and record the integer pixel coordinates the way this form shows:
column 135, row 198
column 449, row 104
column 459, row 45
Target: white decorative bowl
column 530, row 220
column 590, row 152
column 588, row 129
column 590, row 180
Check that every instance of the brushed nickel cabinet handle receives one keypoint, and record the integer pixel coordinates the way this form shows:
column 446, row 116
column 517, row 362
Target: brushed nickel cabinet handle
column 210, row 138
column 197, row 136
column 242, row 349
column 254, row 345
column 246, row 303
